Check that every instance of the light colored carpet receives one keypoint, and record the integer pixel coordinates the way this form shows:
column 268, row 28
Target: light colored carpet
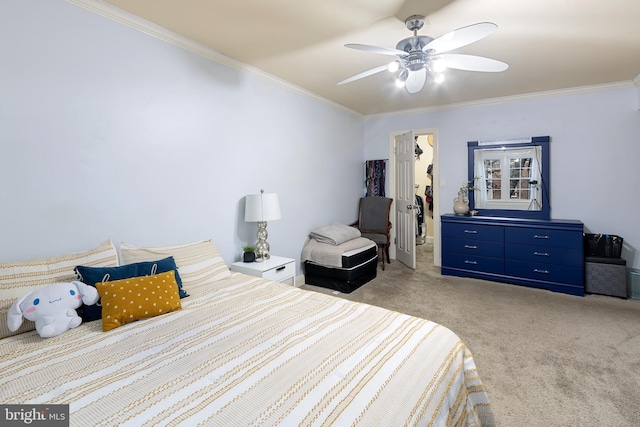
column 546, row 359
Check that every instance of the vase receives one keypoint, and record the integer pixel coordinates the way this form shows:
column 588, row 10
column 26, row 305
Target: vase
column 249, row 257
column 460, row 205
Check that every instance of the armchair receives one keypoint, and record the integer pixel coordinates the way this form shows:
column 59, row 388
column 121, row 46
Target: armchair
column 373, row 222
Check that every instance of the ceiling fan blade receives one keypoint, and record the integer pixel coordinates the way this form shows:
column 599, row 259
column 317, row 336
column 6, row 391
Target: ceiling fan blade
column 364, row 74
column 376, row 49
column 415, row 80
column 461, row 37
column 473, row 63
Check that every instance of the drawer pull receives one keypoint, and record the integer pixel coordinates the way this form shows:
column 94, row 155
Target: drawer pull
column 541, row 254
column 470, row 247
column 470, row 262
column 535, row 236
column 541, row 271
column 471, row 231
column 280, row 268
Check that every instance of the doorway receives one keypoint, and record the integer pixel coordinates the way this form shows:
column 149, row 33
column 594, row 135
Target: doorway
column 424, row 188
column 435, row 221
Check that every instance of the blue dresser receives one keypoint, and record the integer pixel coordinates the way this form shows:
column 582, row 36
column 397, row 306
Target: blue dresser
column 544, row 254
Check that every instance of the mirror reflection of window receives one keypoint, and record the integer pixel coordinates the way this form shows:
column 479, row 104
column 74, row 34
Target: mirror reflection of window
column 493, row 179
column 520, row 178
column 508, row 178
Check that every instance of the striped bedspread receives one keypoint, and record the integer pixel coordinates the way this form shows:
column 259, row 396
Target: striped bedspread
column 245, row 351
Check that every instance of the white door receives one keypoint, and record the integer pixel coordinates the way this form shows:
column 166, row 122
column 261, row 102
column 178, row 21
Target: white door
column 405, row 200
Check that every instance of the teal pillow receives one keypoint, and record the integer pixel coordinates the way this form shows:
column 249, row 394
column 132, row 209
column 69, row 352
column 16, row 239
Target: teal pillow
column 93, row 275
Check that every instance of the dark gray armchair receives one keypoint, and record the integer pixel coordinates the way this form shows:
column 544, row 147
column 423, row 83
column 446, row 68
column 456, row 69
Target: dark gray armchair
column 373, row 223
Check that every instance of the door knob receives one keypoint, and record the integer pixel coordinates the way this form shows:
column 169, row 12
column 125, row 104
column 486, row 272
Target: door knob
column 409, row 207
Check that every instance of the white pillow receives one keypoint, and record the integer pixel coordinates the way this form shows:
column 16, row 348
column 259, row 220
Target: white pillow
column 197, row 262
column 19, row 278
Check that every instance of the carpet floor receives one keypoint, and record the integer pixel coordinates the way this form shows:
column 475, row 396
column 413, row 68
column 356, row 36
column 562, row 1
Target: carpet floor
column 546, row 359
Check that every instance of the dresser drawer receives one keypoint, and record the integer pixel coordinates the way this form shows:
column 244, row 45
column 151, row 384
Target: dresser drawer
column 544, row 255
column 543, row 237
column 473, row 231
column 545, row 272
column 471, row 262
column 474, row 247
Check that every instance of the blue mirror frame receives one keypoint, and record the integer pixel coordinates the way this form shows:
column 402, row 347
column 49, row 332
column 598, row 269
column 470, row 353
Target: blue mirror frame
column 545, row 210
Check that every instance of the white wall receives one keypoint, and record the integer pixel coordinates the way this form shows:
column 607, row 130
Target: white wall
column 108, row 133
column 595, row 151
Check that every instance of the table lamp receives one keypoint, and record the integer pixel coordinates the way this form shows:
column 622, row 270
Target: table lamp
column 261, row 208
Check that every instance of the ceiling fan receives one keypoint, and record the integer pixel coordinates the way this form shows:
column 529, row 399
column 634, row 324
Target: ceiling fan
column 419, row 57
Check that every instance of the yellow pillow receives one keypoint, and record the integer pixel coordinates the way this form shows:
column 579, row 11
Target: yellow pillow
column 128, row 300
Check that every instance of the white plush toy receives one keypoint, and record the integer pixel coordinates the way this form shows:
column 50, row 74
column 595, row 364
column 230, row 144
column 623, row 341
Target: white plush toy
column 52, row 307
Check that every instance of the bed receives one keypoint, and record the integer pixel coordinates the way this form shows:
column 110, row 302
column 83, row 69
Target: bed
column 243, row 350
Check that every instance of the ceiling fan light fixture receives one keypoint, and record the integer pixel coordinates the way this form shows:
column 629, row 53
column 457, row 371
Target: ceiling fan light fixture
column 439, row 65
column 415, row 80
column 402, row 78
column 420, row 57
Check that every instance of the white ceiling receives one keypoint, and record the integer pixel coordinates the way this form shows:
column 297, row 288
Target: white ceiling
column 548, row 44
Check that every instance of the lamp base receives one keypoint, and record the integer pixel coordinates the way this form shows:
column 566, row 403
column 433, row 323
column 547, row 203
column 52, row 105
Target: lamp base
column 262, row 246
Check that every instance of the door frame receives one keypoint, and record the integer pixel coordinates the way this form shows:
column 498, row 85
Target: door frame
column 436, row 188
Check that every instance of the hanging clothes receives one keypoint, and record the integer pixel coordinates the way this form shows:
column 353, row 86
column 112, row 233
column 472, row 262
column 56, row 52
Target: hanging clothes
column 375, row 171
column 428, row 196
column 419, row 215
column 428, row 191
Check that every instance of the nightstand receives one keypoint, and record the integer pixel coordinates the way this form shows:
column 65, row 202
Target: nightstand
column 275, row 268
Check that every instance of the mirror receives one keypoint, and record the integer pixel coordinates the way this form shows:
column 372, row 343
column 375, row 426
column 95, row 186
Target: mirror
column 510, row 178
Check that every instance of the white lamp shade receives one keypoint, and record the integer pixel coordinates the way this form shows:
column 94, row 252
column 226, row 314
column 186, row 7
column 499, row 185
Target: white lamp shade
column 415, row 80
column 262, row 207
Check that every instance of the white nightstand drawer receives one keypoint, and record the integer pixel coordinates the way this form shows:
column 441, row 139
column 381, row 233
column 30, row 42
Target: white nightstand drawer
column 280, row 273
column 279, row 269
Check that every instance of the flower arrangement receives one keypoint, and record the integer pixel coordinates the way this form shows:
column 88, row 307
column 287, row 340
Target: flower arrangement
column 468, row 186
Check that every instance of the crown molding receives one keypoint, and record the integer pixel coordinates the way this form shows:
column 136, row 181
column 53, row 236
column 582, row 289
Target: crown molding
column 115, row 14
column 508, row 99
